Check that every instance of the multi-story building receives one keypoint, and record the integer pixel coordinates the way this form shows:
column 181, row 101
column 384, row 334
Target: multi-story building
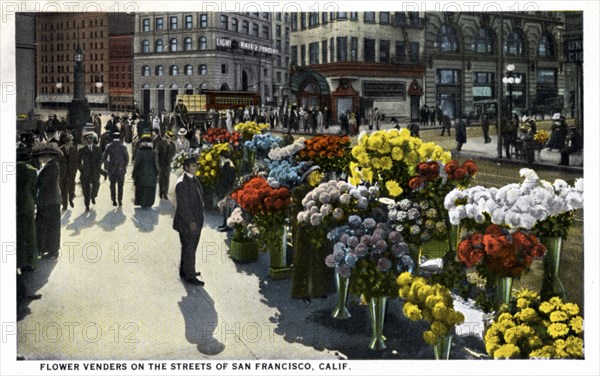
column 281, row 61
column 188, row 52
column 573, row 48
column 120, row 57
column 468, row 54
column 358, row 60
column 57, row 36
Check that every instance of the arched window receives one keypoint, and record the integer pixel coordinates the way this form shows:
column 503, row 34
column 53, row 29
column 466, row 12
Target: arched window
column 158, row 45
column 145, row 46
column 202, row 69
column 173, row 70
column 545, row 47
column 447, row 39
column 202, row 43
column 203, row 86
column 146, row 70
column 224, row 87
column 160, row 70
column 514, row 44
column 483, row 43
column 187, row 44
column 173, row 44
column 189, row 89
column 188, row 70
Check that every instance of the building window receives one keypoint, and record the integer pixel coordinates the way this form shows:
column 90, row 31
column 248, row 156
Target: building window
column 145, row 46
column 188, row 22
column 245, row 29
column 173, row 44
column 447, row 39
column 187, row 44
column 353, row 49
column 313, row 51
column 384, row 51
column 400, row 51
column 331, row 50
column 448, row 77
column 278, row 31
column 234, row 24
column 224, row 22
column 369, row 51
column 353, row 16
column 188, row 70
column 265, row 32
column 278, row 77
column 223, row 68
column 545, row 48
column 265, row 15
column 483, row 42
column 160, row 70
column 279, row 61
column 295, row 55
column 414, row 52
column 146, row 70
column 202, row 43
column 514, row 44
column 303, row 21
column 159, row 24
column 203, row 21
column 173, row 70
column 483, row 86
column 369, row 17
column 255, row 30
column 294, row 21
column 313, row 19
column 202, row 70
column 413, row 19
column 342, row 48
column 158, row 45
column 399, row 19
column 173, row 23
column 146, row 24
column 342, row 15
column 384, row 18
column 278, row 44
column 324, row 51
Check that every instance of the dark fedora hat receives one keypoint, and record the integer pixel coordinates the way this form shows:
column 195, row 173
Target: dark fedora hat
column 23, row 152
column 45, row 148
column 190, row 160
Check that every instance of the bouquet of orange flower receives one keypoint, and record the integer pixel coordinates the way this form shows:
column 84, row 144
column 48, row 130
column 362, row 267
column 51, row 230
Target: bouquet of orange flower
column 331, row 153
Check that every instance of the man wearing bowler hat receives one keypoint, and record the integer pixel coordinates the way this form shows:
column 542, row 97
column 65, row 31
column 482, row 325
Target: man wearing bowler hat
column 189, row 219
column 90, row 168
column 116, row 159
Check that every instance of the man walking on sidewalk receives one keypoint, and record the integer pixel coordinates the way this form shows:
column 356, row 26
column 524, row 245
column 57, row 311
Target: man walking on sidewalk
column 90, row 168
column 116, row 159
column 189, row 219
column 461, row 133
column 485, row 127
column 446, row 124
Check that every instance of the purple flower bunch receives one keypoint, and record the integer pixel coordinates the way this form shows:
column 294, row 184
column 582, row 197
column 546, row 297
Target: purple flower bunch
column 367, row 239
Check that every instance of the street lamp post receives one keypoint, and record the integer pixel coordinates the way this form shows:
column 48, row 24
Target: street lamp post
column 509, row 80
column 59, row 86
column 79, row 109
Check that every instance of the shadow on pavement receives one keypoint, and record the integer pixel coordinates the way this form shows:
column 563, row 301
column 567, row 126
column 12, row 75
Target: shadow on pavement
column 145, row 219
column 112, row 219
column 201, row 321
column 33, row 282
column 84, row 220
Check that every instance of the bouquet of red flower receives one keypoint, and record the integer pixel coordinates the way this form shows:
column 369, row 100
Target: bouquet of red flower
column 499, row 252
column 331, row 153
column 452, row 172
column 259, row 199
column 222, row 135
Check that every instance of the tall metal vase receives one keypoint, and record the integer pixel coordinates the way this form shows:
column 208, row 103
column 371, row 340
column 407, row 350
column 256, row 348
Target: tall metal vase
column 377, row 314
column 453, row 237
column 341, row 311
column 279, row 268
column 441, row 350
column 551, row 284
column 503, row 291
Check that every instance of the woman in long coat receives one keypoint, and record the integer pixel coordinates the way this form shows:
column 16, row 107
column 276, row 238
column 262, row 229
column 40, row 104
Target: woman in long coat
column 27, row 251
column 145, row 173
column 47, row 219
column 311, row 278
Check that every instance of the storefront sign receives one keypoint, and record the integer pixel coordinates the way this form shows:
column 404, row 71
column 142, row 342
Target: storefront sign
column 382, row 89
column 227, row 43
column 574, row 51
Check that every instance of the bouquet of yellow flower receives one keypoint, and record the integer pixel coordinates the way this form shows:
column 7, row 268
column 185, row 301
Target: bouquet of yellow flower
column 542, row 330
column 250, row 128
column 208, row 164
column 391, row 157
column 541, row 137
column 432, row 303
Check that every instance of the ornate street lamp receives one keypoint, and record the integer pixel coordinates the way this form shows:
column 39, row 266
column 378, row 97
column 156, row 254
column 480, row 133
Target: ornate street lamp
column 509, row 80
column 59, row 86
column 79, row 109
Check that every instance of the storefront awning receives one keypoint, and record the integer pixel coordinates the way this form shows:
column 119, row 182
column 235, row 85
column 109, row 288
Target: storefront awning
column 100, row 98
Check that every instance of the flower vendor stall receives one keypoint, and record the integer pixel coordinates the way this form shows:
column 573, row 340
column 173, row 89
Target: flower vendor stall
column 248, row 130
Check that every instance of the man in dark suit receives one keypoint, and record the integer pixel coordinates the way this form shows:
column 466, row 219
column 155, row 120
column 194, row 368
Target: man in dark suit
column 90, row 168
column 189, row 219
column 116, row 158
column 69, row 162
